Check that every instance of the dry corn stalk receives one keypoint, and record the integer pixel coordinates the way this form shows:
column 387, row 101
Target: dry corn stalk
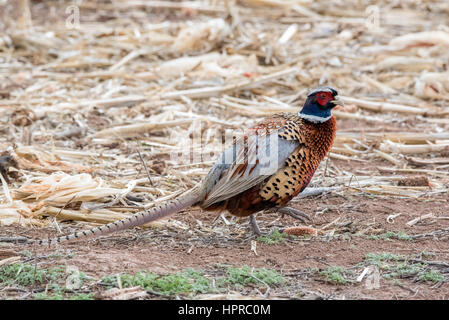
column 420, row 39
column 385, row 106
column 389, row 146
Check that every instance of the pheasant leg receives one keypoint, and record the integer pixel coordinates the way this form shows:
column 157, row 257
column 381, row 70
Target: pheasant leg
column 254, row 225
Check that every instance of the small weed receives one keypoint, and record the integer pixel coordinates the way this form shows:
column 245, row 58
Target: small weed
column 82, row 296
column 46, row 296
column 335, row 275
column 379, row 259
column 55, row 292
column 273, row 238
column 396, row 266
column 27, row 274
column 188, row 281
column 399, row 267
column 431, row 276
column 401, row 235
column 53, row 279
column 245, row 275
column 52, row 292
column 403, row 270
column 192, row 281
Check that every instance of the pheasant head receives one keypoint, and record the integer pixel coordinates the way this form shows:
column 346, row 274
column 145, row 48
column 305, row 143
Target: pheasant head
column 319, row 104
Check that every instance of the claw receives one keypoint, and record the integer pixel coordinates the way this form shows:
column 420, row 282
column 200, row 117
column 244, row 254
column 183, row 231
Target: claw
column 294, row 213
column 297, row 214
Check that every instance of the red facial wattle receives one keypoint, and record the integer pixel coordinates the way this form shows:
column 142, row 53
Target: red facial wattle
column 323, row 98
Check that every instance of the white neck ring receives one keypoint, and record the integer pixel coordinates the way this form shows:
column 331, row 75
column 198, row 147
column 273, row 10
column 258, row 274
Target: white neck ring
column 314, row 119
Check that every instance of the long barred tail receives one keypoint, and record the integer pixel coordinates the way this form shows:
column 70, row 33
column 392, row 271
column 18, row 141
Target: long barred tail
column 138, row 219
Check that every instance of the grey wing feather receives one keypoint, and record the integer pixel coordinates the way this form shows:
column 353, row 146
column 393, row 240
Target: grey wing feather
column 244, row 165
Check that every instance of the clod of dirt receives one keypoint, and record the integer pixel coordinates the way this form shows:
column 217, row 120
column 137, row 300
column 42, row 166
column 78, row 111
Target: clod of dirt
column 416, row 181
column 23, row 117
column 7, row 161
column 301, row 231
column 158, row 166
column 4, row 94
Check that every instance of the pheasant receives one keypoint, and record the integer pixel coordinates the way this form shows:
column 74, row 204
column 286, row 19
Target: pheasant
column 263, row 170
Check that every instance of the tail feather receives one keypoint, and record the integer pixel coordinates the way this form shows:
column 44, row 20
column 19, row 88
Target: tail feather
column 137, row 219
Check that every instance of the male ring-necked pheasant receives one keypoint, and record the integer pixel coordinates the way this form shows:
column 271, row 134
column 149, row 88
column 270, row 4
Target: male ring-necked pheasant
column 264, row 169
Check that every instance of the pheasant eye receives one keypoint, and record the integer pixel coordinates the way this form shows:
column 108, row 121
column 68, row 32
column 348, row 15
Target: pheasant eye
column 322, row 96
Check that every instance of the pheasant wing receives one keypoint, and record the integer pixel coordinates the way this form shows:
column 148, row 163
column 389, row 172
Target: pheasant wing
column 252, row 159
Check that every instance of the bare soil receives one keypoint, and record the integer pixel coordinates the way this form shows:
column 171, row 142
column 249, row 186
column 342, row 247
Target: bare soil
column 164, row 251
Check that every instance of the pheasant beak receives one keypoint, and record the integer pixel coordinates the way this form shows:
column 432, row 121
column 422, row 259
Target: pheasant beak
column 338, row 102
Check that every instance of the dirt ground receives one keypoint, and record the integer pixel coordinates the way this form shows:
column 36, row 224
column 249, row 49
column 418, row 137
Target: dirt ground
column 167, row 250
column 382, row 224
